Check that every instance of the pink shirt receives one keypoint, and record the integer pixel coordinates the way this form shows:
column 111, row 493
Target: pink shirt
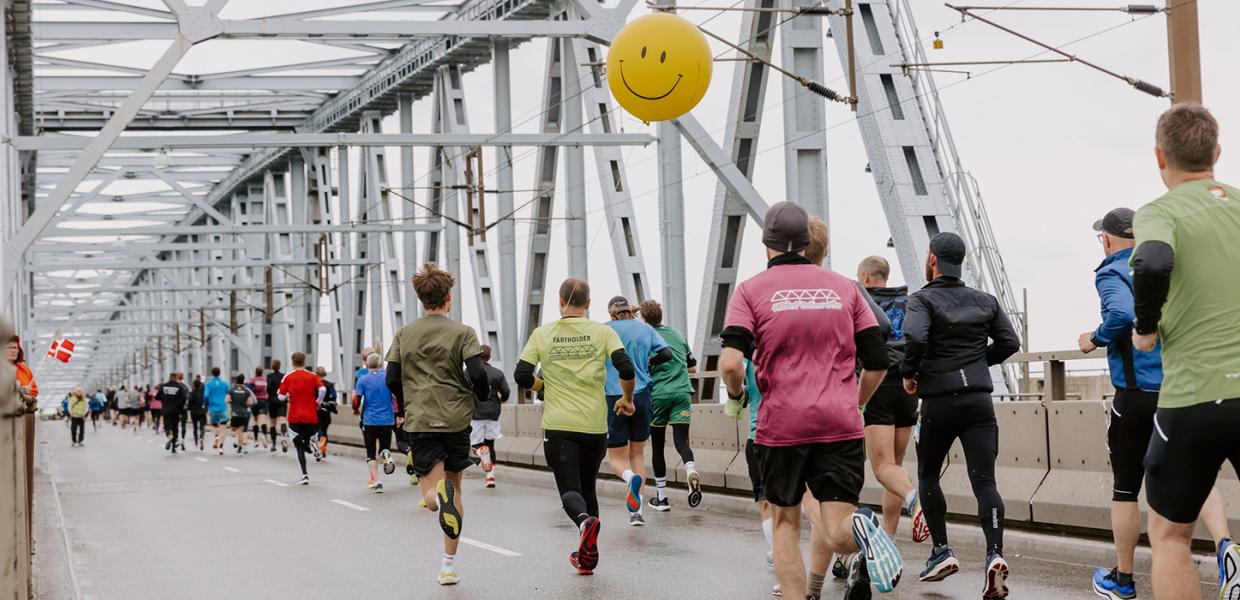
column 803, row 318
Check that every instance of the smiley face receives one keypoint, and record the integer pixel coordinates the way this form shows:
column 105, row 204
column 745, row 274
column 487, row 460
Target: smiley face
column 659, row 67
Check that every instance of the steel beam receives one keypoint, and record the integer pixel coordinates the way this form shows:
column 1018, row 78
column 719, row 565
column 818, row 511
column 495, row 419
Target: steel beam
column 600, row 29
column 509, row 344
column 539, row 245
column 67, row 143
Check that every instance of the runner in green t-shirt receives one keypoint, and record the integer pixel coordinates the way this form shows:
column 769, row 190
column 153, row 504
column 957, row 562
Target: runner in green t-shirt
column 672, row 395
column 1186, row 279
column 436, row 398
column 573, row 352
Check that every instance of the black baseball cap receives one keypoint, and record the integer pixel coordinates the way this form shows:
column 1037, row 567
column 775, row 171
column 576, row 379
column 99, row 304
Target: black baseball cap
column 786, row 228
column 949, row 249
column 1118, row 223
column 619, row 303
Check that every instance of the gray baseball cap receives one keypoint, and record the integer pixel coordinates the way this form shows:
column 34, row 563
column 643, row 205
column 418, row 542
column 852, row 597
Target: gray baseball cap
column 786, row 228
column 1118, row 223
column 950, row 250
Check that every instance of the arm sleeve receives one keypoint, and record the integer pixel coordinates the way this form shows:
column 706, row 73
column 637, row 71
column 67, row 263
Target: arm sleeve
column 477, row 377
column 504, row 390
column 740, row 324
column 661, row 356
column 916, row 333
column 624, row 366
column 689, row 360
column 395, row 385
column 1152, row 264
column 871, row 349
column 1006, row 341
column 524, row 373
column 1116, row 298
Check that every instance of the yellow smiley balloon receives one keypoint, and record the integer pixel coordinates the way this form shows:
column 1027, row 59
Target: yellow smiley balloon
column 659, row 67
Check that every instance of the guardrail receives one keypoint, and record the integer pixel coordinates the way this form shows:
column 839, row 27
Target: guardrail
column 17, row 475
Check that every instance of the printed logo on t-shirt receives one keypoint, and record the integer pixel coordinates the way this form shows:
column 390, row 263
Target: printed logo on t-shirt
column 821, row 299
column 1218, row 192
column 571, row 347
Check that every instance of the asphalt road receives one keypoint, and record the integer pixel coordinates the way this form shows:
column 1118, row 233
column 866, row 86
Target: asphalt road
column 141, row 523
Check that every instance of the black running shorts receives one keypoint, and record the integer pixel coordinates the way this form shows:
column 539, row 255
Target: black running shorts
column 891, row 406
column 278, row 409
column 259, row 408
column 1186, row 452
column 1128, row 437
column 833, row 471
column 433, row 447
column 755, row 473
column 237, row 422
column 376, row 438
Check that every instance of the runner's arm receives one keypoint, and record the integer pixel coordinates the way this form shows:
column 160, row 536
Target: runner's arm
column 880, row 315
column 477, row 377
column 872, row 354
column 524, row 376
column 738, row 345
column 1116, row 299
column 1006, row 341
column 916, row 334
column 661, row 357
column 394, row 385
column 504, row 390
column 322, row 393
column 1152, row 264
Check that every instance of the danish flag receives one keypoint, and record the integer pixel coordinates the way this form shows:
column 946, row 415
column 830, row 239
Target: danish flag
column 61, row 350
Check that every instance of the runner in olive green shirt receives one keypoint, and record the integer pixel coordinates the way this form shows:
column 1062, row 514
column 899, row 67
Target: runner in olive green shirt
column 1186, row 285
column 672, row 396
column 573, row 352
column 436, row 398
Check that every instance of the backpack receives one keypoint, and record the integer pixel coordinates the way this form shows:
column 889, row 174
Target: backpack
column 329, row 400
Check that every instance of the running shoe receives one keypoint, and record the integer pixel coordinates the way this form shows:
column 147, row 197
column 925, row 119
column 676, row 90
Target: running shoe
column 314, row 450
column 585, row 559
column 1106, row 585
column 376, row 487
column 663, row 505
column 323, row 447
column 273, row 448
column 284, row 444
column 858, row 580
column 448, row 578
column 413, row 479
column 182, row 446
column 409, row 465
column 941, row 565
column 770, row 559
column 839, row 566
column 238, row 450
column 305, row 480
column 921, row 529
column 995, row 585
column 1228, row 570
column 389, row 465
column 174, row 449
column 490, row 481
column 449, row 517
column 882, row 558
column 633, row 497
column 695, row 489
column 636, row 519
column 484, row 457
column 168, row 445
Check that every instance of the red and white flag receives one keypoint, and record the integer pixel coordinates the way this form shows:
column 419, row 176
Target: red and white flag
column 51, row 352
column 61, row 350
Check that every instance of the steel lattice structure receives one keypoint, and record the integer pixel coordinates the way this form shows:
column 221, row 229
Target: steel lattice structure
column 263, row 195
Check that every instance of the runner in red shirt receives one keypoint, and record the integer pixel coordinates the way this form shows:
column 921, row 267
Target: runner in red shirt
column 303, row 391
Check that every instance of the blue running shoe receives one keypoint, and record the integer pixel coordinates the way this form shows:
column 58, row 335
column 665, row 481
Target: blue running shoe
column 882, row 558
column 633, row 500
column 1228, row 570
column 995, row 585
column 1106, row 584
column 941, row 565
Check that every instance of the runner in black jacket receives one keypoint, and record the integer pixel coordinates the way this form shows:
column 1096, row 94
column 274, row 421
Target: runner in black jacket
column 948, row 354
column 173, row 395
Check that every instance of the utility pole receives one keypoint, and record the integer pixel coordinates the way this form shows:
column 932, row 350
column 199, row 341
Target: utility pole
column 1183, row 51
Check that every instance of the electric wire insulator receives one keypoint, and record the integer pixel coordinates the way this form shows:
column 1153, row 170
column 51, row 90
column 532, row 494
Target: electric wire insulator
column 1141, row 9
column 824, row 91
column 1149, row 88
column 814, row 10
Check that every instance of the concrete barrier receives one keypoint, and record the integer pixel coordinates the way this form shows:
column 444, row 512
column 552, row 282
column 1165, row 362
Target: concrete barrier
column 15, row 500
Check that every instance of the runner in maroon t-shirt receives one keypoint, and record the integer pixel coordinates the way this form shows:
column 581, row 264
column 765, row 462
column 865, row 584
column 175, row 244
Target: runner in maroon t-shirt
column 805, row 327
column 303, row 391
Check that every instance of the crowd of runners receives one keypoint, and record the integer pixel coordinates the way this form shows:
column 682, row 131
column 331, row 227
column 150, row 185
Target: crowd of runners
column 827, row 370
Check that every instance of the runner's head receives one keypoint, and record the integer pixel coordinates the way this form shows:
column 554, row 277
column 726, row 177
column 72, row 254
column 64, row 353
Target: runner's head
column 215, row 371
column 320, row 371
column 374, row 361
column 1186, row 142
column 486, row 353
column 785, row 229
column 873, row 272
column 1115, row 230
column 15, row 350
column 275, row 364
column 574, row 297
column 817, row 249
column 239, row 379
column 366, row 352
column 619, row 308
column 299, row 360
column 946, row 256
column 258, row 371
column 652, row 313
column 434, row 288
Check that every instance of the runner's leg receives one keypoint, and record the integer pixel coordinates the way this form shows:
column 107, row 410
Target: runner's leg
column 880, row 443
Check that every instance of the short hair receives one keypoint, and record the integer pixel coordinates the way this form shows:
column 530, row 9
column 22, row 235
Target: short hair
column 486, row 353
column 239, row 378
column 275, row 364
column 575, row 292
column 299, row 359
column 215, row 371
column 652, row 312
column 816, row 251
column 875, row 266
column 317, row 369
column 367, row 351
column 373, row 361
column 1188, row 136
column 171, row 377
column 433, row 285
column 258, row 371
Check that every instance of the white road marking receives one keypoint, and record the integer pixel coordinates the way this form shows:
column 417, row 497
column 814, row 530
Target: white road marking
column 200, row 459
column 274, row 482
column 486, row 546
column 232, row 469
column 350, row 505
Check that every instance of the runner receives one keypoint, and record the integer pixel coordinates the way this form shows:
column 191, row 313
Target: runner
column 97, row 401
column 627, row 434
column 1185, row 284
column 216, row 393
column 809, row 431
column 378, row 413
column 77, row 409
column 277, row 408
column 240, row 400
column 303, row 392
column 142, row 409
column 258, row 385
column 172, row 398
column 133, row 409
column 155, row 406
column 112, row 408
column 573, row 354
column 672, row 401
column 1137, row 377
column 437, row 398
column 891, row 413
column 325, row 411
column 953, row 335
column 198, row 413
column 485, row 425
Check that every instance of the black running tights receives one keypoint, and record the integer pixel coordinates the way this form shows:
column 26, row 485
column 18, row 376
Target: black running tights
column 658, row 438
column 575, row 458
column 971, row 418
column 77, row 429
column 302, row 432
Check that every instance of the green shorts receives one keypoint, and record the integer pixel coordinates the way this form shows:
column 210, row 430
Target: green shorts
column 673, row 410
